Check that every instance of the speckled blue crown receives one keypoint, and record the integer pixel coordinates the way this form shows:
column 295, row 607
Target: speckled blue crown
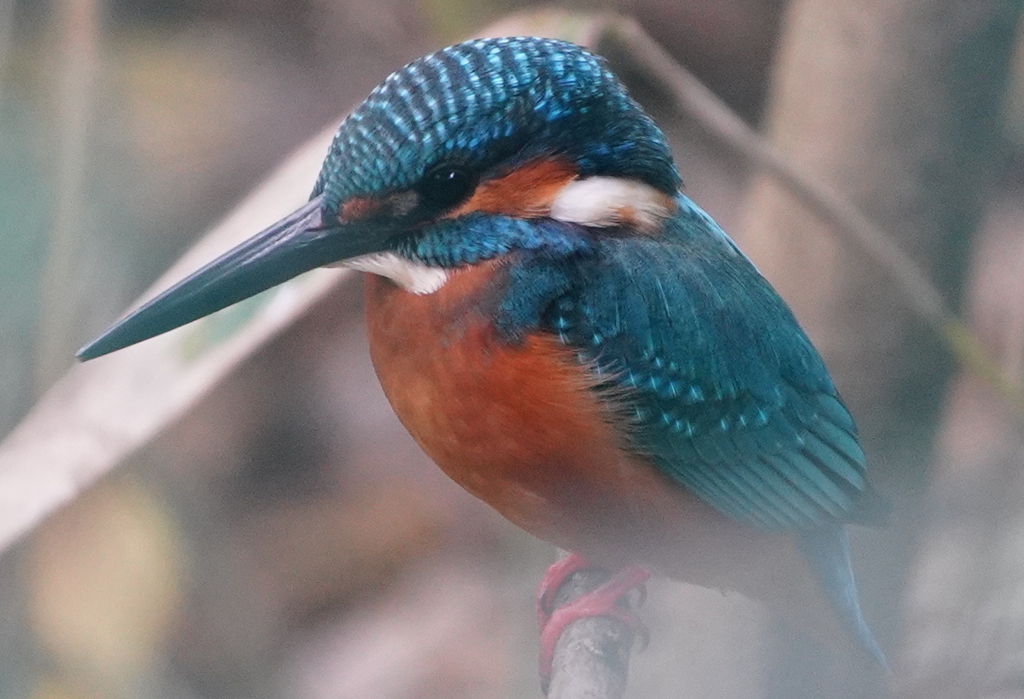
column 494, row 101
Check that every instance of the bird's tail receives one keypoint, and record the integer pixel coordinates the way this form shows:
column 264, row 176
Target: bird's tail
column 827, row 549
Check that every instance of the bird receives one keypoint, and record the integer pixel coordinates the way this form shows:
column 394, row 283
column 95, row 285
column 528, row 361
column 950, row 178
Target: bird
column 570, row 337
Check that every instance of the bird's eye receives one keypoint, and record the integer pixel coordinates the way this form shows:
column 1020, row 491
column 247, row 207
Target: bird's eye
column 445, row 186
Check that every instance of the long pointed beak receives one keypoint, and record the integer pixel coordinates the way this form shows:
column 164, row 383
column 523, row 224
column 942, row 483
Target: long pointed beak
column 296, row 244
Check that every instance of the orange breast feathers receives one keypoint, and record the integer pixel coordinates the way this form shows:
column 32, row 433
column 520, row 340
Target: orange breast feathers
column 516, row 425
column 520, row 427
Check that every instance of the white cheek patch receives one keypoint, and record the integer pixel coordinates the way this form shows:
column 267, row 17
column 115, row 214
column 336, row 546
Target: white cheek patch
column 612, row 201
column 414, row 277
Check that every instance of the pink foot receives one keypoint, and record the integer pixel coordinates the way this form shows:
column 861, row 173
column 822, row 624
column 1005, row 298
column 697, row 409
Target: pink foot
column 555, row 575
column 602, row 601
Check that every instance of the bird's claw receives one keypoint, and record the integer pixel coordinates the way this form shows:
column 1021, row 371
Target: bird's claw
column 554, row 577
column 602, row 601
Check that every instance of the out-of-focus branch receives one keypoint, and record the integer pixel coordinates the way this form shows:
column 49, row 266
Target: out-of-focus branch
column 101, row 412
column 962, row 617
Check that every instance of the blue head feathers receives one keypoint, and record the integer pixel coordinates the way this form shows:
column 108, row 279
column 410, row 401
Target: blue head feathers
column 419, row 145
column 489, row 103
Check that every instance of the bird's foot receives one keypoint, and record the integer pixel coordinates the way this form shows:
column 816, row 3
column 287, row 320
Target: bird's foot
column 604, row 600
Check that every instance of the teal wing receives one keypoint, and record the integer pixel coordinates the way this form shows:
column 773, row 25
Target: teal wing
column 718, row 383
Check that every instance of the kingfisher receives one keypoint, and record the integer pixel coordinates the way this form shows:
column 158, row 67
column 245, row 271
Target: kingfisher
column 570, row 338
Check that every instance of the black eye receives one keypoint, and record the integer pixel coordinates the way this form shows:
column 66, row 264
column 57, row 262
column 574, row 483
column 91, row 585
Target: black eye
column 445, row 186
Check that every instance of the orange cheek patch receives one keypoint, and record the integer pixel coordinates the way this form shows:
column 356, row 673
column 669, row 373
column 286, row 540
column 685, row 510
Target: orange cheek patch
column 358, row 208
column 526, row 192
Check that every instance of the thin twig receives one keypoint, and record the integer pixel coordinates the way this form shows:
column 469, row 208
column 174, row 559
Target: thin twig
column 691, row 97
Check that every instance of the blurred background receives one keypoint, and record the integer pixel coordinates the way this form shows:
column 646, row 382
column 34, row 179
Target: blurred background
column 286, row 538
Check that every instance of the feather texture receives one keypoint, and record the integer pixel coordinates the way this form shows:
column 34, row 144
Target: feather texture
column 721, row 387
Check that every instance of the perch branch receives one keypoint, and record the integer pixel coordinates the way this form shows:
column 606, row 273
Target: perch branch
column 591, row 658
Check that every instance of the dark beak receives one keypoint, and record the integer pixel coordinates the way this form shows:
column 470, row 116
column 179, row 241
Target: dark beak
column 296, row 244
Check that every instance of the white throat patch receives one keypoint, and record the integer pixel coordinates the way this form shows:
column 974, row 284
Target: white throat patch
column 604, row 202
column 414, row 277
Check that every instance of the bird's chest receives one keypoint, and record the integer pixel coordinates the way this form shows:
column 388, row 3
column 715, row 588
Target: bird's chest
column 520, row 426
column 516, row 424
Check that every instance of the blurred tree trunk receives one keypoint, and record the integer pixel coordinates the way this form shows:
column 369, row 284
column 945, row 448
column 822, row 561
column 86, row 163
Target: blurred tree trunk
column 894, row 103
column 63, row 296
column 964, row 627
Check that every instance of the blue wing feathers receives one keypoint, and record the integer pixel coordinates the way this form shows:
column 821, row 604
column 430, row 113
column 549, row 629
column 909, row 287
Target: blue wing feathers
column 773, row 506
column 729, row 499
column 799, row 507
column 723, row 389
column 813, row 482
column 839, row 439
column 716, row 382
column 835, row 462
